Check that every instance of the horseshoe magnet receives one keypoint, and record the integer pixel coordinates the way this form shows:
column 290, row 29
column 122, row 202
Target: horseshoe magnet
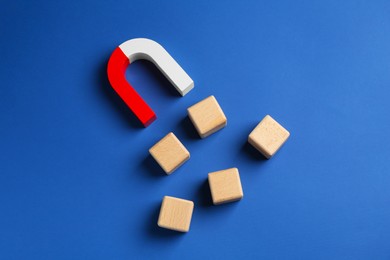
column 142, row 48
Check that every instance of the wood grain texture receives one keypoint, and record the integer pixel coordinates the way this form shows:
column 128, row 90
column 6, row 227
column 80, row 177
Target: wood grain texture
column 175, row 214
column 169, row 153
column 225, row 186
column 268, row 136
column 207, row 116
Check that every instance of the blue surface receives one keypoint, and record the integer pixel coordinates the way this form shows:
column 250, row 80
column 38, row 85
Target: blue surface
column 76, row 181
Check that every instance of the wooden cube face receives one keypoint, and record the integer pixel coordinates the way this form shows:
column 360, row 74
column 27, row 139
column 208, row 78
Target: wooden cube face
column 268, row 136
column 225, row 186
column 175, row 214
column 169, row 153
column 207, row 116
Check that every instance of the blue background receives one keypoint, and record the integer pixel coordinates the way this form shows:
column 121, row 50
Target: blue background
column 76, row 181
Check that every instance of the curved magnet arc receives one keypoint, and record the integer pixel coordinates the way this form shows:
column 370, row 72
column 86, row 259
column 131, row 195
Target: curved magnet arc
column 142, row 48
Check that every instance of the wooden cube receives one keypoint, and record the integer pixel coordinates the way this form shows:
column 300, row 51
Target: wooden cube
column 207, row 116
column 169, row 153
column 268, row 136
column 175, row 214
column 225, row 186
